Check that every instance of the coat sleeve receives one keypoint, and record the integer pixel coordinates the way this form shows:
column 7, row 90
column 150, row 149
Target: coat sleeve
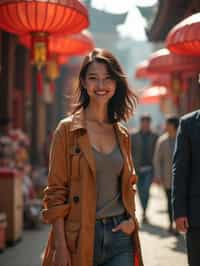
column 180, row 172
column 57, row 190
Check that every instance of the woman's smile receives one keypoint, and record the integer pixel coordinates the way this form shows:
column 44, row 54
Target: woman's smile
column 101, row 92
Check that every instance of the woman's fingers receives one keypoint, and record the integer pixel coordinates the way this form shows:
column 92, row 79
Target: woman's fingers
column 127, row 226
column 117, row 228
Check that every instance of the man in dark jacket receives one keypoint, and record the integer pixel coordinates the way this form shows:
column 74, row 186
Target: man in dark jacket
column 186, row 184
column 143, row 146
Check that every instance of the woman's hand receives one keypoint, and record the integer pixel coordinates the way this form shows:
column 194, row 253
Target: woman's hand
column 62, row 256
column 127, row 226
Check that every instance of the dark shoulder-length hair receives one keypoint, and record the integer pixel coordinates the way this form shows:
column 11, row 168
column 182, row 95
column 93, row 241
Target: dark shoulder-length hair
column 122, row 104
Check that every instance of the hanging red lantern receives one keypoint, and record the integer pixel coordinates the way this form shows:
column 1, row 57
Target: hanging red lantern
column 184, row 38
column 142, row 71
column 163, row 61
column 156, row 78
column 67, row 45
column 62, row 59
column 72, row 45
column 152, row 95
column 41, row 18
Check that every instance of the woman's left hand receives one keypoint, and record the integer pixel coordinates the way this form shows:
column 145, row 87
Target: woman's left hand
column 127, row 226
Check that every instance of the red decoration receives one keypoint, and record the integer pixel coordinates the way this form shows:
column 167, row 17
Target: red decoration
column 163, row 61
column 152, row 95
column 184, row 38
column 41, row 18
column 77, row 44
column 161, row 80
column 62, row 59
column 142, row 71
column 69, row 45
column 50, row 16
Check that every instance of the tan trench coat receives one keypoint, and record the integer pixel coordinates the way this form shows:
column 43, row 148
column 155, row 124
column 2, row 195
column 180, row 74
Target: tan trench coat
column 71, row 190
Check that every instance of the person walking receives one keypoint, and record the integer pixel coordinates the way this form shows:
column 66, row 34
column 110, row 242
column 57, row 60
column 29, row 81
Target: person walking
column 143, row 146
column 89, row 199
column 163, row 161
column 186, row 183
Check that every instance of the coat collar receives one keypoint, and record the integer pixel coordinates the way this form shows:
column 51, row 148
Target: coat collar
column 79, row 122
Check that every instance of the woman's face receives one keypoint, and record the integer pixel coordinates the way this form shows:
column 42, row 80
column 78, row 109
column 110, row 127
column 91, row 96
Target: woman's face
column 98, row 82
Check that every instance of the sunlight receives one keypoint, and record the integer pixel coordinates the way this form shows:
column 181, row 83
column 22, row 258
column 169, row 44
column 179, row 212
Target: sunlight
column 134, row 26
column 112, row 6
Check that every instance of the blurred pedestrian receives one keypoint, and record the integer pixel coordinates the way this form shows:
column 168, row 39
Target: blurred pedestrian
column 143, row 146
column 163, row 161
column 95, row 200
column 186, row 183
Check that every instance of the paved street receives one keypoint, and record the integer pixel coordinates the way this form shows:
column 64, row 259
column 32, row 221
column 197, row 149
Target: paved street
column 159, row 247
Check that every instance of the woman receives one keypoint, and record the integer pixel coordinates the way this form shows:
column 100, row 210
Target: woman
column 89, row 199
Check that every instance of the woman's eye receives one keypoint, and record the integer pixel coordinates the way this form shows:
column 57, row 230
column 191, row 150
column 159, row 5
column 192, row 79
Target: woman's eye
column 92, row 78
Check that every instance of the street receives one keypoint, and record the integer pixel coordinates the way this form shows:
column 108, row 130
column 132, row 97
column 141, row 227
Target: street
column 158, row 246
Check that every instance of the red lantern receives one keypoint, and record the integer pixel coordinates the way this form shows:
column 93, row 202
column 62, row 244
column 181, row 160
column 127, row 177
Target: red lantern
column 153, row 94
column 73, row 45
column 163, row 61
column 62, row 59
column 184, row 38
column 157, row 79
column 69, row 45
column 41, row 18
column 143, row 72
column 161, row 80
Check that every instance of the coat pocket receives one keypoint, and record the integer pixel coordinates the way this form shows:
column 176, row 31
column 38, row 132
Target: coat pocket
column 72, row 230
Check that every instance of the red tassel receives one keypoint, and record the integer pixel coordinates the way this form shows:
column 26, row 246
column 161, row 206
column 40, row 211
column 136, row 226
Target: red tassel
column 39, row 83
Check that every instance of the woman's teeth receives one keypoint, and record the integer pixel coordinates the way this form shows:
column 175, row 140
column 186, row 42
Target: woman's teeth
column 101, row 93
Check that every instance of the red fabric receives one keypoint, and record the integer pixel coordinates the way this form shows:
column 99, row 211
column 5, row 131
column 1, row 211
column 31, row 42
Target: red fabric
column 184, row 38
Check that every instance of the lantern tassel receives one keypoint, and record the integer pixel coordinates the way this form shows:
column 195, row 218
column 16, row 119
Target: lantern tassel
column 39, row 83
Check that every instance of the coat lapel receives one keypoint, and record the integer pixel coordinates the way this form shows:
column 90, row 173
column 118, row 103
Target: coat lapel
column 86, row 148
column 123, row 143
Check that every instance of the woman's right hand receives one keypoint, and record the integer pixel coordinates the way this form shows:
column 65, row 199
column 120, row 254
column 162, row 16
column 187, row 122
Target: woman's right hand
column 62, row 256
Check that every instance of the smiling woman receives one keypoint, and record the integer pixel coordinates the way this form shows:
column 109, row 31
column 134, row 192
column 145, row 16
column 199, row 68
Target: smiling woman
column 90, row 192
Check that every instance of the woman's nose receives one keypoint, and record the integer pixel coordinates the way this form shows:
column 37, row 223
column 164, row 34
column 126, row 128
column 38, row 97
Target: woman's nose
column 100, row 83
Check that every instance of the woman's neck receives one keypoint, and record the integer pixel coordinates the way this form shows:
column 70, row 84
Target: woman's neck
column 96, row 112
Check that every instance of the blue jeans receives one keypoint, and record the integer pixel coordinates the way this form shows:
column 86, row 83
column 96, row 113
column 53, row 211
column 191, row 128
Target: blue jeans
column 112, row 248
column 143, row 184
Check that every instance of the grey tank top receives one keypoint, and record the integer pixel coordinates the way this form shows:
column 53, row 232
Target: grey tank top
column 108, row 182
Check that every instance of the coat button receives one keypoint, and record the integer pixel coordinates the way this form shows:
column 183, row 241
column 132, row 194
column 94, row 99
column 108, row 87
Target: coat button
column 76, row 199
column 77, row 150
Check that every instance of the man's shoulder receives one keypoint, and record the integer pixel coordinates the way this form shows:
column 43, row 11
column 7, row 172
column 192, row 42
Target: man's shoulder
column 187, row 118
column 163, row 138
column 135, row 132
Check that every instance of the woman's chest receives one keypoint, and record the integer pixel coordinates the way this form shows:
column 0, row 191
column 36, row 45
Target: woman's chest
column 103, row 139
